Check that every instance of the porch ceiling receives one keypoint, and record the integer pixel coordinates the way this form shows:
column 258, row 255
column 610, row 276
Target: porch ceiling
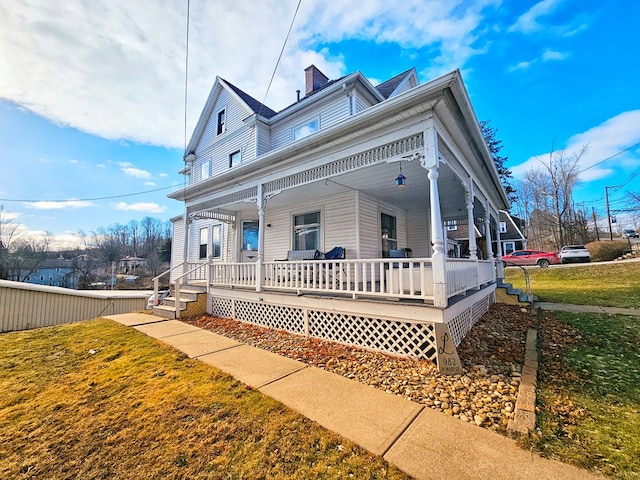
column 377, row 181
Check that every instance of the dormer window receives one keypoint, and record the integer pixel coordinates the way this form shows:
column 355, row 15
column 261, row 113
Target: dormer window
column 222, row 121
column 305, row 129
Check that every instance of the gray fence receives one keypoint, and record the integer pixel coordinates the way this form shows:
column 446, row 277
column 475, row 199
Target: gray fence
column 24, row 306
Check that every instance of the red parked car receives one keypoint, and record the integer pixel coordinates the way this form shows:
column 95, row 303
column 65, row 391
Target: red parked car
column 531, row 257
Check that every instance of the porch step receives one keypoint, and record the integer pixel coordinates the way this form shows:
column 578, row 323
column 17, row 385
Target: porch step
column 192, row 301
column 505, row 293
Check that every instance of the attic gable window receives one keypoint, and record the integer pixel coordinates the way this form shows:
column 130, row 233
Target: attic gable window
column 305, row 129
column 222, row 121
column 503, row 227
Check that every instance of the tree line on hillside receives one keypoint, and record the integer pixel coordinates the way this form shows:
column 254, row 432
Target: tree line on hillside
column 94, row 257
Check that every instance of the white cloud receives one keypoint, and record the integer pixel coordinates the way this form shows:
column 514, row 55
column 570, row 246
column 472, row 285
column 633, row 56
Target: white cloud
column 132, row 171
column 53, row 205
column 112, row 68
column 147, row 207
column 548, row 55
column 73, row 162
column 528, row 22
column 605, row 140
column 150, row 184
column 521, row 66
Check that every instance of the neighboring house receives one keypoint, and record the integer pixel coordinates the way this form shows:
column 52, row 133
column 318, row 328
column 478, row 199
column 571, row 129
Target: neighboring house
column 53, row 272
column 130, row 265
column 372, row 169
column 511, row 236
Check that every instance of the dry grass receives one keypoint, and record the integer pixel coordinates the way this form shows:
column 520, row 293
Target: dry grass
column 99, row 400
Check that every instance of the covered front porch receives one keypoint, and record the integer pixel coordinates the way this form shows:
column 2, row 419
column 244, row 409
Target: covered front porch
column 239, row 234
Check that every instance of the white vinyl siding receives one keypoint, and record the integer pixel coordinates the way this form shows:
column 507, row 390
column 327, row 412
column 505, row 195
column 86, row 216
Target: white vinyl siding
column 418, row 234
column 264, row 139
column 327, row 112
column 177, row 246
column 337, row 225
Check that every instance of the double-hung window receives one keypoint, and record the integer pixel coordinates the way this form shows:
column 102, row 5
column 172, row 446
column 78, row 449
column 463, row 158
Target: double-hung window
column 216, row 241
column 204, row 170
column 204, row 240
column 306, row 231
column 452, row 225
column 222, row 122
column 503, row 227
column 305, row 129
column 235, row 159
column 389, row 233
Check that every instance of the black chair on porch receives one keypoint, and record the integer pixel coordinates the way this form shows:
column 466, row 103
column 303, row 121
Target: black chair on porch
column 336, row 253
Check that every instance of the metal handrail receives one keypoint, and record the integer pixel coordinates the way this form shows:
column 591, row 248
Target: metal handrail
column 527, row 279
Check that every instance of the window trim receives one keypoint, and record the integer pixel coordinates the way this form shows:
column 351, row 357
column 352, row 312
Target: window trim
column 393, row 241
column 221, row 121
column 205, row 168
column 205, row 244
column 216, row 228
column 300, row 126
column 319, row 224
column 239, row 152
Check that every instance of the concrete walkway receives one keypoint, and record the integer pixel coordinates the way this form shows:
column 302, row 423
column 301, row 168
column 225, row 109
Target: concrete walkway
column 565, row 307
column 420, row 441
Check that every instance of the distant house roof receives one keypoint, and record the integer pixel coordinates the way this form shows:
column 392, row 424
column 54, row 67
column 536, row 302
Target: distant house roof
column 388, row 87
column 257, row 107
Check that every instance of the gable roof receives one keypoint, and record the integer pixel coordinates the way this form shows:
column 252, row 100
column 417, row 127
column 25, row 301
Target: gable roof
column 387, row 88
column 257, row 107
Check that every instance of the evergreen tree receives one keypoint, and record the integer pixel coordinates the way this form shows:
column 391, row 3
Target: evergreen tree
column 495, row 145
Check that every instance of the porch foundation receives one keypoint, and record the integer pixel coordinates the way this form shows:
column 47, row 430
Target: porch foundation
column 401, row 329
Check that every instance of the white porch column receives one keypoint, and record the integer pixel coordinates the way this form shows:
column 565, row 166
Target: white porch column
column 487, row 232
column 499, row 265
column 439, row 257
column 473, row 246
column 259, row 266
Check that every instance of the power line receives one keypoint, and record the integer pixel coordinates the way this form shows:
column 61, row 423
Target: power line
column 25, row 200
column 295, row 14
column 609, row 158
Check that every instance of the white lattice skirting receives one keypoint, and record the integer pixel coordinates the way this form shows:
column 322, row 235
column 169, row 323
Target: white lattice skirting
column 460, row 325
column 402, row 338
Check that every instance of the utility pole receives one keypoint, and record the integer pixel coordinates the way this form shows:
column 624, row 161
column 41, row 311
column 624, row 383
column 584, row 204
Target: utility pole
column 606, row 197
column 595, row 223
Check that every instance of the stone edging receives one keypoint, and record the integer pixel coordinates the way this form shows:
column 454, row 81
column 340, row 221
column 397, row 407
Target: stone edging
column 524, row 420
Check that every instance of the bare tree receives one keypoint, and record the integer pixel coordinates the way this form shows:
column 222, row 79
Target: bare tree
column 546, row 196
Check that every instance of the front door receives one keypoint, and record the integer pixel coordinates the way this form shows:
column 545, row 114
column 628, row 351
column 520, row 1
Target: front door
column 249, row 249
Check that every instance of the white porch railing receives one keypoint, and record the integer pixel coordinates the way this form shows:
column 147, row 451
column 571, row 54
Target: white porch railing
column 388, row 277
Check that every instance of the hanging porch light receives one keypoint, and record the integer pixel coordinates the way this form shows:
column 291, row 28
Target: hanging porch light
column 401, row 179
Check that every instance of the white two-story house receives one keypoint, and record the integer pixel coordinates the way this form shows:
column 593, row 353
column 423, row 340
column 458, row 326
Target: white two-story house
column 376, row 170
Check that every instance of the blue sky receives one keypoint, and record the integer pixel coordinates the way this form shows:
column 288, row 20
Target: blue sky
column 92, row 101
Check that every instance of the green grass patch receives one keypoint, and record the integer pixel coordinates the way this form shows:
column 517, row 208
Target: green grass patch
column 100, row 400
column 607, row 285
column 589, row 392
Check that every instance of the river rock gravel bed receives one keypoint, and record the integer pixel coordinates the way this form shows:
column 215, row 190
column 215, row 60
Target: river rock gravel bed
column 492, row 355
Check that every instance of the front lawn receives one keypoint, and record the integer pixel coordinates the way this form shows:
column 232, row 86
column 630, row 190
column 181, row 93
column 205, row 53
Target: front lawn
column 100, row 400
column 613, row 285
column 589, row 392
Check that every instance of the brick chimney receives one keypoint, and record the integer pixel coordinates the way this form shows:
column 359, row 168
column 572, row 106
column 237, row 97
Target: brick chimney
column 314, row 79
